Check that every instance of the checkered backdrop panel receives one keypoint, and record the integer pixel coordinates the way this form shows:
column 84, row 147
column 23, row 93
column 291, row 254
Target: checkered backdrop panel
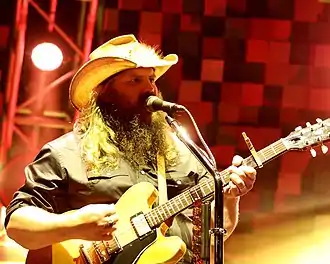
column 261, row 67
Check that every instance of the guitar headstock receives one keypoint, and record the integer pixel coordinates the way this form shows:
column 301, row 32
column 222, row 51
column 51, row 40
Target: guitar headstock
column 303, row 138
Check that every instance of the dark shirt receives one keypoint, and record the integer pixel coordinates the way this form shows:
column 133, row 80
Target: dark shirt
column 57, row 182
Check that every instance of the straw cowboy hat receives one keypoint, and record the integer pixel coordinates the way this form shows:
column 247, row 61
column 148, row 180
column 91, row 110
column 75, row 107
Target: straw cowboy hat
column 116, row 55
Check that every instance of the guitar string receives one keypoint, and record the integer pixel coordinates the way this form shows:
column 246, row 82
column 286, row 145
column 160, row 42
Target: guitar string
column 266, row 151
column 172, row 202
column 204, row 184
column 275, row 147
column 123, row 232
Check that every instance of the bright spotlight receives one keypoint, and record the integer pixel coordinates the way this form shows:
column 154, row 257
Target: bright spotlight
column 47, row 56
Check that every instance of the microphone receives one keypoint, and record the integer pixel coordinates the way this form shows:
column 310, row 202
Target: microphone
column 154, row 103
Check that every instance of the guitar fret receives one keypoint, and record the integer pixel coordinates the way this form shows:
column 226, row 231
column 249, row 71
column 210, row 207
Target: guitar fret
column 150, row 220
column 199, row 191
column 185, row 197
column 179, row 199
column 156, row 216
column 206, row 187
column 172, row 207
column 184, row 200
column 273, row 150
column 162, row 207
column 249, row 161
column 225, row 176
column 270, row 151
column 263, row 155
column 203, row 192
column 168, row 212
column 209, row 186
column 161, row 212
column 177, row 206
column 194, row 194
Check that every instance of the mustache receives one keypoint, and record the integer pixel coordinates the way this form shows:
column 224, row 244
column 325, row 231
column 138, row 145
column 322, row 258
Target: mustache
column 130, row 135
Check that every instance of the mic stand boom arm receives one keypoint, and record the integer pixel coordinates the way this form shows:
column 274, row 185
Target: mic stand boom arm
column 218, row 230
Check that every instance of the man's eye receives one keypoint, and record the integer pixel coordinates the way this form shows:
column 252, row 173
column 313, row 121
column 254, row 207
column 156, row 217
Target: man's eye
column 135, row 80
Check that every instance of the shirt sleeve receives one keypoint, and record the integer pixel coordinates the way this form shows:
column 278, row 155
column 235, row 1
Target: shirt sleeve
column 45, row 184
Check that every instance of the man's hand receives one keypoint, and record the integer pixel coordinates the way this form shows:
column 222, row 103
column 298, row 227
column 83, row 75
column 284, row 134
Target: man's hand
column 242, row 179
column 94, row 222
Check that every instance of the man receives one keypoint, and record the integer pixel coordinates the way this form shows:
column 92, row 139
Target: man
column 115, row 144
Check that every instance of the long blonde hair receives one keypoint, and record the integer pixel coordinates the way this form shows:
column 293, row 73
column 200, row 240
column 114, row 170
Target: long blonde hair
column 97, row 139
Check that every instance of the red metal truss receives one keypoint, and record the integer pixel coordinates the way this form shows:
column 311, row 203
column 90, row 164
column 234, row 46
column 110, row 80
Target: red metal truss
column 16, row 116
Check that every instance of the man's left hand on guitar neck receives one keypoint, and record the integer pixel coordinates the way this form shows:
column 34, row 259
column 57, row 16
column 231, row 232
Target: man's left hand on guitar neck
column 242, row 179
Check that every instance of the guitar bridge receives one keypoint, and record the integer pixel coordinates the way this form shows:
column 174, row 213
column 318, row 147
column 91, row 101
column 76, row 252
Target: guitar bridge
column 84, row 255
column 140, row 225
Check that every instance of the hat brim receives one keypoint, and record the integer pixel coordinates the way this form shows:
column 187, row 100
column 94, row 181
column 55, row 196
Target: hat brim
column 94, row 72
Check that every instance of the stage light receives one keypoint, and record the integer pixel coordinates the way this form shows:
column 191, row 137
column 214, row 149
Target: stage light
column 47, row 56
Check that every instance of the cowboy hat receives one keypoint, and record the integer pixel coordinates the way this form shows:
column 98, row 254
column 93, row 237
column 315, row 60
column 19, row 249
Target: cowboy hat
column 116, row 55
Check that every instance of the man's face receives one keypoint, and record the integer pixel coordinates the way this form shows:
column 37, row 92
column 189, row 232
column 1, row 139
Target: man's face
column 125, row 94
column 139, row 134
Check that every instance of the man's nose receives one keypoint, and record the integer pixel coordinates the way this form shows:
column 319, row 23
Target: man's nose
column 150, row 88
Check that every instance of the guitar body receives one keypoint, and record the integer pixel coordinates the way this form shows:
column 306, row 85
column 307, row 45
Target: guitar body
column 152, row 248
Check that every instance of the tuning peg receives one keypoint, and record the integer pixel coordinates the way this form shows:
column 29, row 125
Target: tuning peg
column 319, row 120
column 324, row 149
column 313, row 152
column 298, row 128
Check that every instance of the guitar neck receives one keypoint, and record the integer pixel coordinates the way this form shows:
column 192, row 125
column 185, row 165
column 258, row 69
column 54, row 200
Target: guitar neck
column 206, row 188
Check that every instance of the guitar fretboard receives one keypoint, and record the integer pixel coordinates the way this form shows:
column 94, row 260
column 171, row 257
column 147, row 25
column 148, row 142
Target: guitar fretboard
column 206, row 187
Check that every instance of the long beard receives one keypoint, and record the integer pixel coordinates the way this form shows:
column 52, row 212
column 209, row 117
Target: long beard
column 138, row 142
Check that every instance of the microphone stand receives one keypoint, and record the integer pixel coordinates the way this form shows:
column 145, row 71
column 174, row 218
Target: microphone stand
column 218, row 230
column 205, row 232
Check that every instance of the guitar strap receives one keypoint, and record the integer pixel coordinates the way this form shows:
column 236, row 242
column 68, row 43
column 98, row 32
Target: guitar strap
column 161, row 176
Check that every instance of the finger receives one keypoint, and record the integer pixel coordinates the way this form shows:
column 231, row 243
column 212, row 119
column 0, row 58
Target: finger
column 237, row 160
column 105, row 209
column 110, row 209
column 231, row 190
column 109, row 221
column 237, row 177
column 244, row 175
column 249, row 176
column 250, row 172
